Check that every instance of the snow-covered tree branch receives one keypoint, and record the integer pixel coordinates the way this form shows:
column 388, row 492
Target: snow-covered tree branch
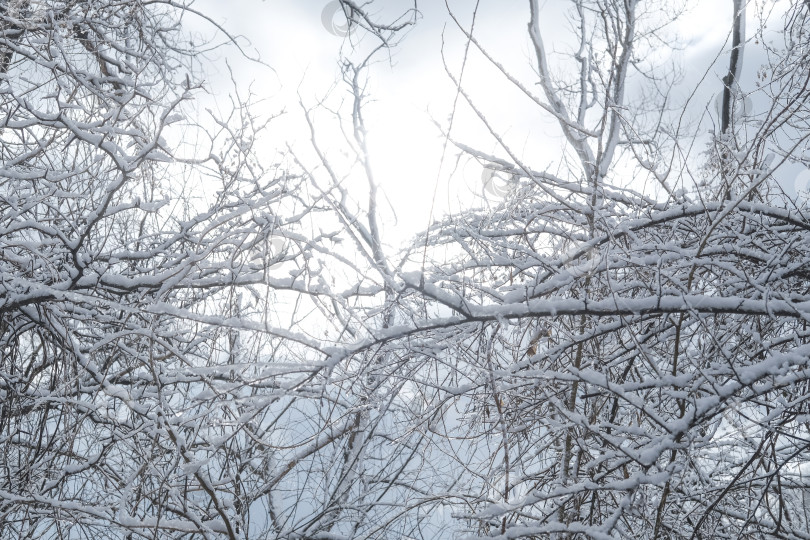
column 206, row 336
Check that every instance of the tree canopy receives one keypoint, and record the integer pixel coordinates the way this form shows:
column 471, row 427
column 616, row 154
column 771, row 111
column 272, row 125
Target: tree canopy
column 204, row 338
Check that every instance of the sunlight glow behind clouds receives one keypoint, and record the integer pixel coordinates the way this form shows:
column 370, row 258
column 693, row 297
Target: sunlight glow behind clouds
column 410, row 90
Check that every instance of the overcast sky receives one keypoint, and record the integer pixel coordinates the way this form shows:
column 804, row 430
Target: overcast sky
column 292, row 37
